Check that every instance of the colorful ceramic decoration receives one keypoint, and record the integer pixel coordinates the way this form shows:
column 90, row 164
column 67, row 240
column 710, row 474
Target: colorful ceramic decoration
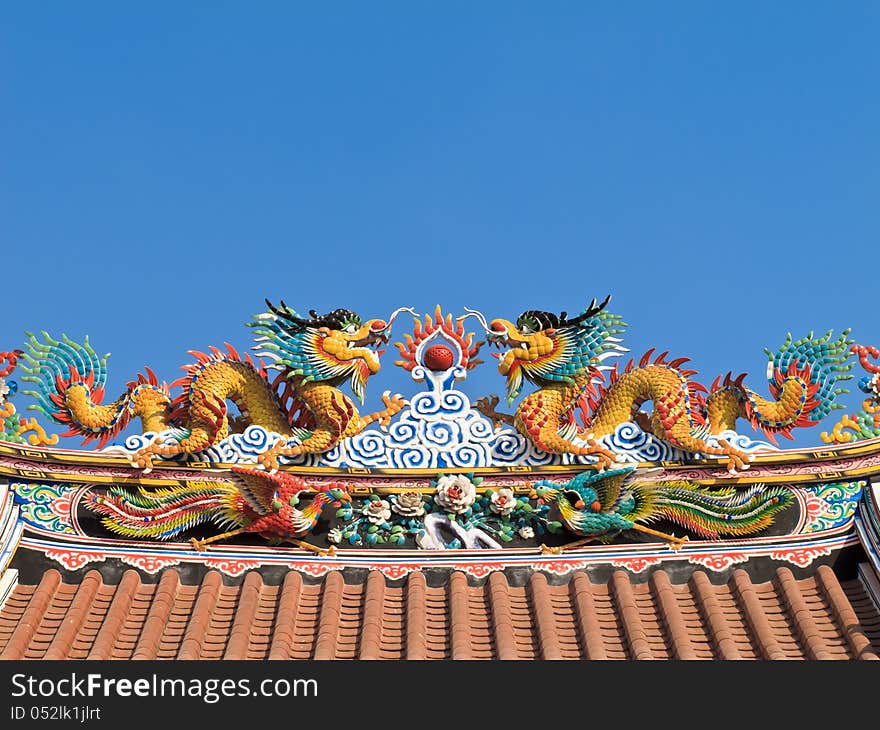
column 313, row 357
column 266, row 504
column 600, row 506
column 12, row 426
column 434, row 473
column 564, row 358
column 865, row 424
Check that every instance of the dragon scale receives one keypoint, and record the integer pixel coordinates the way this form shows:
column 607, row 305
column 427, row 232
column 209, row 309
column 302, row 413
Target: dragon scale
column 313, row 357
column 580, row 398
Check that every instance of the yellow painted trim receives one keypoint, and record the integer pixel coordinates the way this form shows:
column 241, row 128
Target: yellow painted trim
column 35, row 457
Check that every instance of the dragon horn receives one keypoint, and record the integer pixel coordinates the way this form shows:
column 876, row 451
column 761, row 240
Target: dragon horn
column 285, row 313
column 590, row 311
column 274, row 309
column 476, row 314
column 398, row 311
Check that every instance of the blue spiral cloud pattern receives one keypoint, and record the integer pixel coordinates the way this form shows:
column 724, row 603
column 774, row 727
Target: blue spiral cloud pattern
column 438, row 429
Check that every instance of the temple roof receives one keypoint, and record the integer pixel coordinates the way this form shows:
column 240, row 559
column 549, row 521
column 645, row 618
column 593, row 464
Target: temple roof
column 440, row 528
column 442, row 616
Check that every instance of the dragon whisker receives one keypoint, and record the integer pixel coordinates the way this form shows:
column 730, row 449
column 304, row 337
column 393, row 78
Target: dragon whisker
column 478, row 315
column 398, row 311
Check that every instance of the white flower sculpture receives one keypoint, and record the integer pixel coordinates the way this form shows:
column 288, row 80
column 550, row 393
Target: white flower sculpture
column 408, row 504
column 377, row 511
column 502, row 502
column 526, row 533
column 334, row 537
column 455, row 493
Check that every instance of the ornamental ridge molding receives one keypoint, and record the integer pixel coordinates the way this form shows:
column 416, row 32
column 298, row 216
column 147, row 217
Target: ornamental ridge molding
column 265, row 459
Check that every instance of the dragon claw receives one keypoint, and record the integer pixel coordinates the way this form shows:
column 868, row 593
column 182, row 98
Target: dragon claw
column 735, row 464
column 605, row 459
column 268, row 460
column 393, row 405
column 142, row 460
column 487, row 406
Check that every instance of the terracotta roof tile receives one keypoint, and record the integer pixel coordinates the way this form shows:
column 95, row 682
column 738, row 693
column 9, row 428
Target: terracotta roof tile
column 816, row 617
column 416, row 642
column 436, row 610
column 844, row 615
column 499, row 607
column 282, row 639
column 199, row 619
column 584, row 611
column 329, row 618
column 110, row 631
column 374, row 603
column 672, row 616
column 244, row 616
column 156, row 618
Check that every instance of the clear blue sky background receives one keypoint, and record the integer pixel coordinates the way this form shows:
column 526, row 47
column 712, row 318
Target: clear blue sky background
column 714, row 167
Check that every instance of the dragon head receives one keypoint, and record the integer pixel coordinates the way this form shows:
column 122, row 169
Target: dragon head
column 546, row 348
column 329, row 348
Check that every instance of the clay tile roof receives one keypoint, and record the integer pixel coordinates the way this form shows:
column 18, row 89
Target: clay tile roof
column 817, row 617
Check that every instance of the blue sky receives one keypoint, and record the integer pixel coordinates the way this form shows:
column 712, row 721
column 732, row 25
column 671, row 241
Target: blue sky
column 714, row 168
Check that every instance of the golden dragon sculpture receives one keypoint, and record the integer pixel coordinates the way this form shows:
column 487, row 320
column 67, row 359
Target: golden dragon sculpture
column 579, row 400
column 314, row 356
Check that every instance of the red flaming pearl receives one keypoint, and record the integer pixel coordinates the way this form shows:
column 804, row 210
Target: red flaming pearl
column 439, row 357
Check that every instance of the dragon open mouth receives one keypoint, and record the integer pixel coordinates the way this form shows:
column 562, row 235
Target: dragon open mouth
column 374, row 340
column 502, row 340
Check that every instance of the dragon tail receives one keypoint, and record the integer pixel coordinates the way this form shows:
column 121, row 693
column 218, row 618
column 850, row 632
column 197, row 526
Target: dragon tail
column 710, row 513
column 69, row 381
column 165, row 513
column 802, row 374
